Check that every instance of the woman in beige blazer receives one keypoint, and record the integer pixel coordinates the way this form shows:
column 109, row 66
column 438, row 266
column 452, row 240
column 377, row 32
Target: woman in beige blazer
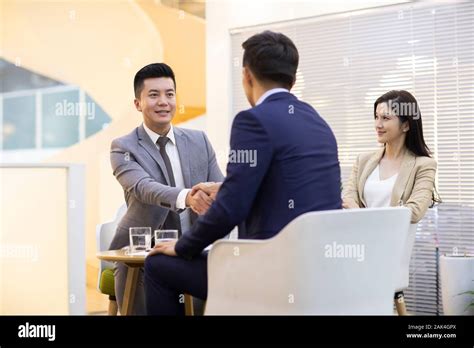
column 402, row 172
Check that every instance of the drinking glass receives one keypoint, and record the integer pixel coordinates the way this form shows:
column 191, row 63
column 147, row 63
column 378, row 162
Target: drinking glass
column 165, row 235
column 140, row 239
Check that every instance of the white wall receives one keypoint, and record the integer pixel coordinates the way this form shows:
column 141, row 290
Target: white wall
column 223, row 15
column 42, row 253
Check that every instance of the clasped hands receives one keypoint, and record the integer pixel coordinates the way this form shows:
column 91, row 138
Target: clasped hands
column 199, row 199
column 201, row 196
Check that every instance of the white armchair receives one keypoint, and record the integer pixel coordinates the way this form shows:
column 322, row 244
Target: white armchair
column 330, row 262
column 105, row 280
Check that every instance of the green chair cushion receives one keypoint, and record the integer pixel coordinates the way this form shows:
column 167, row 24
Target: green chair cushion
column 107, row 282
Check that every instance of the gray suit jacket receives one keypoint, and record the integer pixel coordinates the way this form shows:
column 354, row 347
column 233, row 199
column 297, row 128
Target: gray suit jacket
column 139, row 168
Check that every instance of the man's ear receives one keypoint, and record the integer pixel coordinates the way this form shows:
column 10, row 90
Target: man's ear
column 248, row 76
column 137, row 104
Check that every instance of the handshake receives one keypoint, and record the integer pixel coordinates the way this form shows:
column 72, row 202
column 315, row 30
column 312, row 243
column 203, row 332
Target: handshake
column 201, row 196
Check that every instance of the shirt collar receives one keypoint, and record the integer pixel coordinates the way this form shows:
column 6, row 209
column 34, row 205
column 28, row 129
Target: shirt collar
column 269, row 93
column 154, row 136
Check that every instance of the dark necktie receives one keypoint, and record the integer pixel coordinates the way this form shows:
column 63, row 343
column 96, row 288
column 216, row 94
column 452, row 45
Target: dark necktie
column 172, row 221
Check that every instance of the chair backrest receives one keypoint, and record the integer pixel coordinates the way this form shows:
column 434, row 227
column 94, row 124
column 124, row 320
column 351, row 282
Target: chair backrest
column 104, row 234
column 330, row 262
column 405, row 261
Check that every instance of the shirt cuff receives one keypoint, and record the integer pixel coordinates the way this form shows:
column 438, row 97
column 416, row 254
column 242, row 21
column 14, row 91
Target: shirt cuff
column 181, row 200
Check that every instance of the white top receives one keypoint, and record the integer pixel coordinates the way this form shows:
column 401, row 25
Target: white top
column 378, row 193
column 269, row 93
column 173, row 154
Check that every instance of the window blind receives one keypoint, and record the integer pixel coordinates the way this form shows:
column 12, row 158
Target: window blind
column 348, row 60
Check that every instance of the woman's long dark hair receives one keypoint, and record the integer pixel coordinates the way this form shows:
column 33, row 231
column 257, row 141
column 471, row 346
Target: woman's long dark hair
column 405, row 106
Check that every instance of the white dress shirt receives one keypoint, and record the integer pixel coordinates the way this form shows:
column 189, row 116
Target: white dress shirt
column 173, row 154
column 377, row 193
column 269, row 93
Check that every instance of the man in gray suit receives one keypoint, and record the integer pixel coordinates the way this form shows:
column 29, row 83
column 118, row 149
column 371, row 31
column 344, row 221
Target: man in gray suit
column 157, row 165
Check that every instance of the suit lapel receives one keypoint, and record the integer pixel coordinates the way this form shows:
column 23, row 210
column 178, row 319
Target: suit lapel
column 145, row 142
column 408, row 163
column 368, row 169
column 183, row 151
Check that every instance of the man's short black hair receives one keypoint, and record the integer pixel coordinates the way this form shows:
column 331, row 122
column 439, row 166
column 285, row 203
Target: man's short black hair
column 151, row 71
column 271, row 57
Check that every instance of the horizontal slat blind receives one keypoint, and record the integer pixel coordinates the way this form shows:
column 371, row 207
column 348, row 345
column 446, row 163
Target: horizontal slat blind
column 348, row 60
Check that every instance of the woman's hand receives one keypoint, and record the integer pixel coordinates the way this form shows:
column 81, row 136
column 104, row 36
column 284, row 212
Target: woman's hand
column 349, row 204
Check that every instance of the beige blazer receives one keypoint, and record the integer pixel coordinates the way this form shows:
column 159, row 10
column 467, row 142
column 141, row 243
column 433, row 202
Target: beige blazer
column 413, row 188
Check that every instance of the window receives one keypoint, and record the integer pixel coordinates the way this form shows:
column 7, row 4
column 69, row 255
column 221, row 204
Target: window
column 60, row 117
column 38, row 113
column 19, row 122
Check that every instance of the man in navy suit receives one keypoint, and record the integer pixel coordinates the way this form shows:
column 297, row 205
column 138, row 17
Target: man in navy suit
column 283, row 163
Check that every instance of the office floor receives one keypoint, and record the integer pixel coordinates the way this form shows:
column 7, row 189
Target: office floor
column 97, row 303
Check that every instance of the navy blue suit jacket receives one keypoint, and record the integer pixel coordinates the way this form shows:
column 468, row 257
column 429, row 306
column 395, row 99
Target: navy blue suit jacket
column 296, row 170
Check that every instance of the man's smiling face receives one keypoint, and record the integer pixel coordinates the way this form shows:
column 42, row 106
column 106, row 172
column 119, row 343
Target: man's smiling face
column 157, row 102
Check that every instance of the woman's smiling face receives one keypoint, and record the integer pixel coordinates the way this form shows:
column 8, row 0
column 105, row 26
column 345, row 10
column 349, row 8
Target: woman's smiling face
column 387, row 125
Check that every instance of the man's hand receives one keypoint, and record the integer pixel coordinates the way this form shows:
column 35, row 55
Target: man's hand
column 349, row 204
column 198, row 201
column 166, row 248
column 210, row 188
